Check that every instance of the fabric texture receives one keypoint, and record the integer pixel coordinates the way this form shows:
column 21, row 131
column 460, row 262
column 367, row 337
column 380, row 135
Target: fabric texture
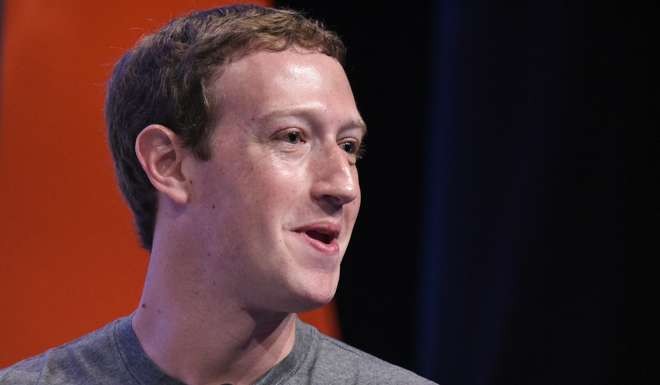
column 113, row 355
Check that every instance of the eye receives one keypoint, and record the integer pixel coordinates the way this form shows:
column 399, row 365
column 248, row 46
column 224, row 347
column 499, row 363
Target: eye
column 349, row 147
column 353, row 147
column 292, row 137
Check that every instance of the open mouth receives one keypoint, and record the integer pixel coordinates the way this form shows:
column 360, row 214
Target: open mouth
column 321, row 236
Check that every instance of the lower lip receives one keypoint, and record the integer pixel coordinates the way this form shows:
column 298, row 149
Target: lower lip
column 325, row 248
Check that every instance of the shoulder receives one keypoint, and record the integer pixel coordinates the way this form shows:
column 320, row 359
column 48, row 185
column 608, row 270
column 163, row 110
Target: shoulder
column 23, row 372
column 81, row 361
column 348, row 365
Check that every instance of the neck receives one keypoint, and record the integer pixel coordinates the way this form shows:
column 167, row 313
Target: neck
column 197, row 335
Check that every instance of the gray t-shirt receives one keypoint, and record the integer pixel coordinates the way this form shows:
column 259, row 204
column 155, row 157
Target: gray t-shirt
column 113, row 355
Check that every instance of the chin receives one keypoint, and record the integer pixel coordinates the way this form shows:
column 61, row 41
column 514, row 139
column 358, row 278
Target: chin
column 315, row 293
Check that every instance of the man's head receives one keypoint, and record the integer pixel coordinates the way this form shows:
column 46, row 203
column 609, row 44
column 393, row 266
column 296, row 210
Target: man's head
column 242, row 141
column 166, row 78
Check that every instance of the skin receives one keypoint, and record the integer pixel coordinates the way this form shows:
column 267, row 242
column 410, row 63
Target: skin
column 237, row 249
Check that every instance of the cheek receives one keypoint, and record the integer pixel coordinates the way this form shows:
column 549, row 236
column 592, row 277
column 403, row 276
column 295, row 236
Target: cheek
column 352, row 211
column 354, row 206
column 358, row 199
column 257, row 187
column 273, row 192
column 283, row 177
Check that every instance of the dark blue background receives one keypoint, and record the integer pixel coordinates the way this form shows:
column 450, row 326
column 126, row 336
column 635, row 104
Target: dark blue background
column 489, row 248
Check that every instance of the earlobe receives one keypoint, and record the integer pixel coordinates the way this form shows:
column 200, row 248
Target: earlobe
column 160, row 153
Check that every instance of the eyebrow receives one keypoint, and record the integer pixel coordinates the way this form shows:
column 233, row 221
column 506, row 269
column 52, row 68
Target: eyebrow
column 309, row 114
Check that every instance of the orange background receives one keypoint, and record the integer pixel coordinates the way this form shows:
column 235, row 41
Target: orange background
column 69, row 257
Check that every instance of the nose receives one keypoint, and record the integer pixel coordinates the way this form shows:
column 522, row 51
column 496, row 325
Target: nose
column 335, row 179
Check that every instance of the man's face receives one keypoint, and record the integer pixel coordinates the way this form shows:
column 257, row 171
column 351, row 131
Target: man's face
column 275, row 206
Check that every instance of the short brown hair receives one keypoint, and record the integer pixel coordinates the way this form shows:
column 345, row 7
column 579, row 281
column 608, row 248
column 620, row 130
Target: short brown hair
column 163, row 80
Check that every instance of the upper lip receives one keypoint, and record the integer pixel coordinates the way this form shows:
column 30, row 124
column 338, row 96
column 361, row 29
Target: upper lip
column 325, row 228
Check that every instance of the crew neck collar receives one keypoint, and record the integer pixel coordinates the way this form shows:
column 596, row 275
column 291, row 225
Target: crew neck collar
column 146, row 372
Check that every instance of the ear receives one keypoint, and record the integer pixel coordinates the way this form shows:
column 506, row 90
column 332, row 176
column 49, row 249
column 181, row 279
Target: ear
column 161, row 152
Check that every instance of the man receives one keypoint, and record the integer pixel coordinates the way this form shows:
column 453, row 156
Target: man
column 235, row 136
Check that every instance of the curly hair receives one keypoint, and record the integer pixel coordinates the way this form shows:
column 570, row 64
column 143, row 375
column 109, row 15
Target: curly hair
column 164, row 80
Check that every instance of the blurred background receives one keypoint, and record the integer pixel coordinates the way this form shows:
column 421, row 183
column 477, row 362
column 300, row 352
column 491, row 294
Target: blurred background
column 489, row 247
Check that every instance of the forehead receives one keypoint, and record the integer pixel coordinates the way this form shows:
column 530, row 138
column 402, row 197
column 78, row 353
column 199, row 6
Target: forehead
column 272, row 84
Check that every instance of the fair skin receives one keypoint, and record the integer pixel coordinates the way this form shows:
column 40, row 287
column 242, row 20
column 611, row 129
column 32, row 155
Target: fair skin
column 257, row 233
